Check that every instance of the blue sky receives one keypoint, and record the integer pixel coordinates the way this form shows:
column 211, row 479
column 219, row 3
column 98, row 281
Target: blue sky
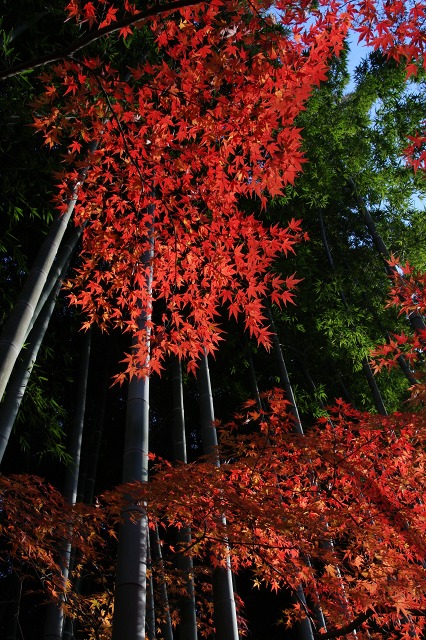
column 357, row 53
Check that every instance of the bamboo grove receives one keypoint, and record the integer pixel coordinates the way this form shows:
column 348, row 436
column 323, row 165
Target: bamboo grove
column 213, row 264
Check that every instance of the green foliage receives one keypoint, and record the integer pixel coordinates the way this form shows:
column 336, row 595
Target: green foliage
column 354, row 145
column 42, row 424
column 41, row 421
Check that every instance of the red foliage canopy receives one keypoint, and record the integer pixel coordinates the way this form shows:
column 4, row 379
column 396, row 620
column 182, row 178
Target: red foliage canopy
column 181, row 142
column 408, row 295
column 350, row 496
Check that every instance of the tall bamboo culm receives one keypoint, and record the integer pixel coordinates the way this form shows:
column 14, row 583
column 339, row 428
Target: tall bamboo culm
column 187, row 629
column 54, row 615
column 224, row 608
column 132, row 553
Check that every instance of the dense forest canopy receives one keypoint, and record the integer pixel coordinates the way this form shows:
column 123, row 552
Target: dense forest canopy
column 213, row 263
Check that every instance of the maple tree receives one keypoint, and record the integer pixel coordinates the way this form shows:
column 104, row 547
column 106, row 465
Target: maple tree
column 160, row 164
column 355, row 480
column 362, row 475
column 211, row 120
column 36, row 520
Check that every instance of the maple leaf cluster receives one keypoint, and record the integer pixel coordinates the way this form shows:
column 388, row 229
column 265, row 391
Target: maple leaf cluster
column 180, row 143
column 396, row 27
column 407, row 294
column 37, row 523
column 340, row 511
column 416, row 151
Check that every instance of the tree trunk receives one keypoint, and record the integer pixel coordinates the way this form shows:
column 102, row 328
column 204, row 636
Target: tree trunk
column 130, row 582
column 16, row 327
column 187, row 629
column 58, row 270
column 179, row 435
column 224, row 609
column 157, row 567
column 305, row 628
column 150, row 604
column 403, row 365
column 130, row 585
column 95, row 445
column 285, row 380
column 305, row 631
column 252, row 375
column 86, row 487
column 18, row 382
column 55, row 615
column 375, row 392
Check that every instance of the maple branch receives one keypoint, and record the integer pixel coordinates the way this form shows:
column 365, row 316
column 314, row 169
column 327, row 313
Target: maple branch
column 359, row 620
column 119, row 125
column 89, row 38
column 300, row 600
column 348, row 628
column 185, row 551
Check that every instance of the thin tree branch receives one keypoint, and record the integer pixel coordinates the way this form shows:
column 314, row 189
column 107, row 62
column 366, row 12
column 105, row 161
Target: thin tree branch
column 91, row 37
column 358, row 621
column 348, row 628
